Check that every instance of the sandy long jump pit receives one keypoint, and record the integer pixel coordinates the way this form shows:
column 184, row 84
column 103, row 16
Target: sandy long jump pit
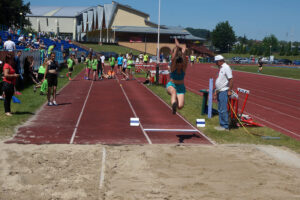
column 160, row 172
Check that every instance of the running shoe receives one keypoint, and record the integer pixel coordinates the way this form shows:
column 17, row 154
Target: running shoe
column 221, row 128
column 8, row 114
column 18, row 93
column 54, row 103
column 174, row 108
column 70, row 79
column 50, row 103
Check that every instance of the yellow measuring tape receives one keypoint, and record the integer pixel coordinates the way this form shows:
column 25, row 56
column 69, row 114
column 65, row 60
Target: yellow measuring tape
column 256, row 134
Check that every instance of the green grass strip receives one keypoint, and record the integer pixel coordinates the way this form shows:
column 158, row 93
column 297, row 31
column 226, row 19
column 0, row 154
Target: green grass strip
column 30, row 103
column 274, row 71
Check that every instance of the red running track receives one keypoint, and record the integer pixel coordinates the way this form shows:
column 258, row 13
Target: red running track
column 273, row 101
column 99, row 113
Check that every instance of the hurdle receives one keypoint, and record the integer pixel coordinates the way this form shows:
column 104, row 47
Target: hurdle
column 157, row 75
column 235, row 116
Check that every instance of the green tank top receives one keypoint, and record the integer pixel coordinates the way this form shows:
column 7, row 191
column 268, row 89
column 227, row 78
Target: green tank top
column 94, row 63
column 70, row 63
column 89, row 63
column 130, row 62
column 50, row 49
column 42, row 70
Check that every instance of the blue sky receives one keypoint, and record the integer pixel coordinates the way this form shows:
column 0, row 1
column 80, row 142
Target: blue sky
column 254, row 18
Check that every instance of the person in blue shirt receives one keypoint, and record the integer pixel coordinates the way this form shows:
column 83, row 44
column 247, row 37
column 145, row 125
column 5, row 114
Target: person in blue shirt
column 120, row 63
column 175, row 86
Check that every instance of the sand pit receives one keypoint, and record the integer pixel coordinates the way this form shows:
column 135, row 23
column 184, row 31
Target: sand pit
column 146, row 172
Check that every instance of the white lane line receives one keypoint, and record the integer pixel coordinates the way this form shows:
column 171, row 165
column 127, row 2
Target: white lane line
column 210, row 140
column 267, row 108
column 142, row 128
column 169, row 130
column 257, row 90
column 79, row 118
column 291, row 132
column 268, row 99
column 102, row 172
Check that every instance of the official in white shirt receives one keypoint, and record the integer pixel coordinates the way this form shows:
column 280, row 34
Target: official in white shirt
column 9, row 45
column 224, row 84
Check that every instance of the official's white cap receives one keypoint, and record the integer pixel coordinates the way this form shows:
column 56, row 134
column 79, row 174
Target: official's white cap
column 219, row 57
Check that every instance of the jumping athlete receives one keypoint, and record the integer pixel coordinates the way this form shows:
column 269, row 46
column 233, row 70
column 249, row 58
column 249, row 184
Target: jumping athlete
column 176, row 87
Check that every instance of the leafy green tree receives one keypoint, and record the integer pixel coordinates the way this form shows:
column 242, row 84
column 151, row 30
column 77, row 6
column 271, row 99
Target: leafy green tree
column 270, row 44
column 253, row 50
column 260, row 50
column 296, row 50
column 289, row 49
column 223, row 35
column 13, row 12
column 282, row 50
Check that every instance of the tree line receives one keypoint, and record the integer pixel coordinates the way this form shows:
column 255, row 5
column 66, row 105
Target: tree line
column 13, row 12
column 224, row 40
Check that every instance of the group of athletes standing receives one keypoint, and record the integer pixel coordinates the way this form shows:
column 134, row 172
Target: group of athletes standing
column 95, row 65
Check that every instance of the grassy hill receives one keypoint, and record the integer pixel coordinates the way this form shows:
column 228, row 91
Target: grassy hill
column 111, row 48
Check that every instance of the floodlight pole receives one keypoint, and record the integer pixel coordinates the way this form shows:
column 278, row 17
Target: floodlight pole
column 158, row 31
column 157, row 54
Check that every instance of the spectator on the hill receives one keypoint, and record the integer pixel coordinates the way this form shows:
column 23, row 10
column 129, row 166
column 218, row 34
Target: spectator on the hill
column 19, row 81
column 9, row 82
column 224, row 84
column 51, row 49
column 9, row 44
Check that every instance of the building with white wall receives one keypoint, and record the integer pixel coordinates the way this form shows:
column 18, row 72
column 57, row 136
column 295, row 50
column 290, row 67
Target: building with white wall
column 110, row 23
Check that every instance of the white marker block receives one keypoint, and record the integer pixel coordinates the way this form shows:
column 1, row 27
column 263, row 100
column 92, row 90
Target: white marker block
column 200, row 122
column 134, row 121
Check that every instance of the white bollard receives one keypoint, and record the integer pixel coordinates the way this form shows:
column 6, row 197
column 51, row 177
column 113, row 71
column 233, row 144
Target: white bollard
column 200, row 122
column 134, row 121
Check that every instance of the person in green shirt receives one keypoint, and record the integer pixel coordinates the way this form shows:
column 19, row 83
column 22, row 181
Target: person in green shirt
column 130, row 64
column 94, row 67
column 88, row 63
column 192, row 59
column 70, row 63
column 146, row 58
column 111, row 61
column 50, row 49
column 41, row 73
